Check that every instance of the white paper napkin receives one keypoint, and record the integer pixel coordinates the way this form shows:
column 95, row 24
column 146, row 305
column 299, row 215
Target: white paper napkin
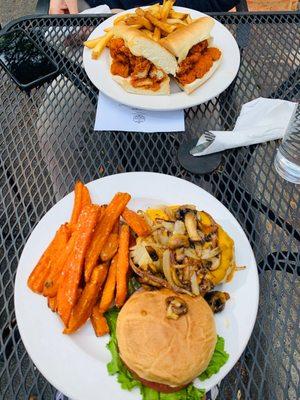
column 260, row 120
column 103, row 9
column 113, row 116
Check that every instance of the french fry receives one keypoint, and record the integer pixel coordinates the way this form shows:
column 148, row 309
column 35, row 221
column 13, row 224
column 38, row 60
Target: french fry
column 52, row 281
column 52, row 303
column 102, row 231
column 148, row 33
column 110, row 247
column 162, row 25
column 99, row 322
column 100, row 46
column 140, row 12
column 175, row 21
column 77, row 204
column 157, row 34
column 109, row 288
column 42, row 269
column 120, row 18
column 72, row 271
column 108, row 29
column 136, row 222
column 179, row 15
column 189, row 19
column 155, row 10
column 122, row 265
column 166, row 8
column 92, row 43
column 89, row 296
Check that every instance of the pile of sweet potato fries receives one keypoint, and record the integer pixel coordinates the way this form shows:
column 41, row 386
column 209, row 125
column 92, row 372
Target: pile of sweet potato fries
column 84, row 270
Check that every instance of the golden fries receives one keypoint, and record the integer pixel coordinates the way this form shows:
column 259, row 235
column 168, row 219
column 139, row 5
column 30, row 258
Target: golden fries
column 155, row 22
column 166, row 8
column 156, row 34
column 100, row 46
column 189, row 19
column 179, row 15
column 162, row 25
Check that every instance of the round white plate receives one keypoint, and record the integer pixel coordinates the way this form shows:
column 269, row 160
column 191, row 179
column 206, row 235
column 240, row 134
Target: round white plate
column 76, row 364
column 99, row 72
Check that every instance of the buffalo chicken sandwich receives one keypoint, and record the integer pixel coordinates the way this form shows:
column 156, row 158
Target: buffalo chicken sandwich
column 166, row 339
column 197, row 58
column 138, row 63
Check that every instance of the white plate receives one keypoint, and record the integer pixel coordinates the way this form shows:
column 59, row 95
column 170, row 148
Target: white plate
column 76, row 364
column 99, row 74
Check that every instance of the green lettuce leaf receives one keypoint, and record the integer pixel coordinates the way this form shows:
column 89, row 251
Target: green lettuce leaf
column 125, row 378
column 219, row 358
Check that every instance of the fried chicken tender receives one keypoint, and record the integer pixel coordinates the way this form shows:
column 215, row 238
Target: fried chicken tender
column 119, row 68
column 142, row 72
column 198, row 62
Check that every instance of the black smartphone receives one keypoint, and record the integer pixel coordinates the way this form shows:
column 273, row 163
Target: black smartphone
column 24, row 61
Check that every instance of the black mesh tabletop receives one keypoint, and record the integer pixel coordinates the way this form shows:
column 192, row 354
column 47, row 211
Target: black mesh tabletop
column 47, row 141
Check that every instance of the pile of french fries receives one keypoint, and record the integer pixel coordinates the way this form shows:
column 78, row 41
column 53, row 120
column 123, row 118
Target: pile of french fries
column 155, row 21
column 84, row 270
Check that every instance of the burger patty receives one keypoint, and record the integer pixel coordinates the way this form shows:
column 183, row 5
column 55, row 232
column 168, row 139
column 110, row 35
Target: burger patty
column 159, row 387
column 143, row 73
column 198, row 62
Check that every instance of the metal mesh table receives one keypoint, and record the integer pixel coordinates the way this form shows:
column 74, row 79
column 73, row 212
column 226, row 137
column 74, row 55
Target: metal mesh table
column 47, row 142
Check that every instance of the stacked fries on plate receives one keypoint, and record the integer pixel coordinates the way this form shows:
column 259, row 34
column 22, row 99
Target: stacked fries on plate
column 83, row 271
column 156, row 21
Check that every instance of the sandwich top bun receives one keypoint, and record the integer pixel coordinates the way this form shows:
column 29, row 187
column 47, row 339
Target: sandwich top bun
column 142, row 46
column 166, row 351
column 182, row 40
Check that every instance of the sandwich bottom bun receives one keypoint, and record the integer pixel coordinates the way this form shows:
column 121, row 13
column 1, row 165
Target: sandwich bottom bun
column 168, row 352
column 126, row 85
column 191, row 87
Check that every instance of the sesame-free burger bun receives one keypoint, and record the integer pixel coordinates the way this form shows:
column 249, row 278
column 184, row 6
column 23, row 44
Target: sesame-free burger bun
column 142, row 46
column 161, row 350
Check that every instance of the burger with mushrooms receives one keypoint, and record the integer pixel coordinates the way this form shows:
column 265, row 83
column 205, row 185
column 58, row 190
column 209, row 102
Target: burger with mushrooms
column 165, row 339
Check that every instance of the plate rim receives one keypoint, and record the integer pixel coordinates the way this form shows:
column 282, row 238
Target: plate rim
column 125, row 100
column 225, row 369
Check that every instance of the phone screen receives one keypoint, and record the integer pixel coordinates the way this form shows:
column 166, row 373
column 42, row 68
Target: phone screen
column 24, row 61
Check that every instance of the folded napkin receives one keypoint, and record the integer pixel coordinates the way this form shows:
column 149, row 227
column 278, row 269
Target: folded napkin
column 103, row 9
column 260, row 120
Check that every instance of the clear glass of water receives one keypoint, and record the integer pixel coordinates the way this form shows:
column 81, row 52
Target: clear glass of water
column 287, row 159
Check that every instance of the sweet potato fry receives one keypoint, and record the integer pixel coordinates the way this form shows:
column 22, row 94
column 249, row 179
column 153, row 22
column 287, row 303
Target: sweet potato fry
column 86, row 198
column 122, row 265
column 71, row 274
column 109, row 288
column 77, row 204
column 84, row 307
column 136, row 222
column 43, row 268
column 110, row 248
column 99, row 322
column 51, row 283
column 52, row 303
column 102, row 231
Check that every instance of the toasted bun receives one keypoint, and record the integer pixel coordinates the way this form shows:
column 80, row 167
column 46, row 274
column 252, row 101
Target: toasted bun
column 126, row 85
column 190, row 87
column 166, row 351
column 142, row 46
column 182, row 40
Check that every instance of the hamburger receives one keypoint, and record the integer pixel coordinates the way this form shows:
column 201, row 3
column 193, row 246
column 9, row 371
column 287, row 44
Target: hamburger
column 197, row 58
column 139, row 64
column 166, row 340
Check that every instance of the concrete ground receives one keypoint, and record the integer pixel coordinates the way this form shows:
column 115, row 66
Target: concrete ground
column 11, row 9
